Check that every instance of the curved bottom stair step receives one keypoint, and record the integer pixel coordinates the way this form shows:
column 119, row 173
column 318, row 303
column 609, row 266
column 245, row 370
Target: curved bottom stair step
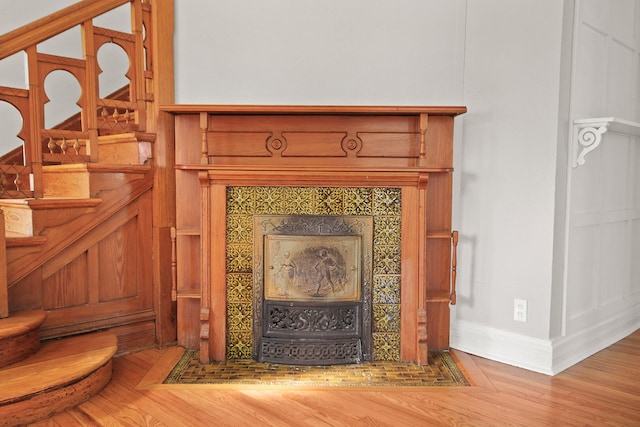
column 63, row 374
column 20, row 336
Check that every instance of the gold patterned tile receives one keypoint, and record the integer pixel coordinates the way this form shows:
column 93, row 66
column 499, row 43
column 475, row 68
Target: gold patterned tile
column 239, row 287
column 386, row 318
column 239, row 345
column 357, row 201
column 239, row 258
column 386, row 346
column 386, row 260
column 387, row 231
column 244, row 202
column 386, row 289
column 299, row 201
column 239, row 229
column 329, row 201
column 240, row 200
column 269, row 200
column 387, row 201
column 239, row 317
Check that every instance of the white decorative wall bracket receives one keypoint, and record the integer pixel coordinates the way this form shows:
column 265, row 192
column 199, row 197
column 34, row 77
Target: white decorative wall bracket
column 587, row 134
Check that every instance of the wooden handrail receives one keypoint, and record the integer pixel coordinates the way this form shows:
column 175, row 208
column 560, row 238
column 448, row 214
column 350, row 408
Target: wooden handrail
column 53, row 24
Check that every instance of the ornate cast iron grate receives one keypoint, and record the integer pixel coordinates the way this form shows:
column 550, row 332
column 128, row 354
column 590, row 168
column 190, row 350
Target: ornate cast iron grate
column 312, row 289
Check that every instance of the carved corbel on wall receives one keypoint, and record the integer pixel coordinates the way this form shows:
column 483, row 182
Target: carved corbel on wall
column 588, row 133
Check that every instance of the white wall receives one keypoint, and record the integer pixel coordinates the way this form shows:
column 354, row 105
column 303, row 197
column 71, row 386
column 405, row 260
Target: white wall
column 512, row 70
column 362, row 52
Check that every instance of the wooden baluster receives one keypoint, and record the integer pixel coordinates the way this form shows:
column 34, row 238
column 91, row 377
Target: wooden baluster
column 90, row 89
column 454, row 266
column 138, row 86
column 174, row 266
column 204, row 147
column 424, row 121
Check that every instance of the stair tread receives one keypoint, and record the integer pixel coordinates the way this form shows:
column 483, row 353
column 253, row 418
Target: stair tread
column 56, row 364
column 21, row 322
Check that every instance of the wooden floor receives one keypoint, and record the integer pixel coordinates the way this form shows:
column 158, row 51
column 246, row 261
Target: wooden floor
column 603, row 390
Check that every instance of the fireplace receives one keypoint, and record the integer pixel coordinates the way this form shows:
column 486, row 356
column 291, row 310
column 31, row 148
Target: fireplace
column 312, row 289
column 280, row 189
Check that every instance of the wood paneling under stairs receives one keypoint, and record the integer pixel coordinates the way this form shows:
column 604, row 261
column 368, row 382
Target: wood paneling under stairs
column 602, row 390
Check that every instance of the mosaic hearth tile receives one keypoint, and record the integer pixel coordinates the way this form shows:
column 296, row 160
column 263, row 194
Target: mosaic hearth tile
column 440, row 371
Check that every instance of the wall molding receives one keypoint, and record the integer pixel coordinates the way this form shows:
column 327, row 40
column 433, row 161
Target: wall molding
column 548, row 357
column 571, row 349
column 519, row 350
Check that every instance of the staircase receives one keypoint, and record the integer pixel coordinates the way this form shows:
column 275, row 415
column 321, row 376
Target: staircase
column 40, row 380
column 84, row 240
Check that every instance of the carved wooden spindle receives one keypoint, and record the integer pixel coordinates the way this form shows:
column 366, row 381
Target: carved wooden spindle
column 204, row 148
column 17, row 182
column 424, row 121
column 76, row 146
column 454, row 266
column 174, row 270
column 64, row 146
column 51, row 145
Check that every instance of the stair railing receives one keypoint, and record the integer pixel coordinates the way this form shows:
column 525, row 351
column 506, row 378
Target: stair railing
column 74, row 144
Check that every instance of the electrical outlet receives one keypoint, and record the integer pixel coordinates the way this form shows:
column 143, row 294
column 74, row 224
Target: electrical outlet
column 520, row 310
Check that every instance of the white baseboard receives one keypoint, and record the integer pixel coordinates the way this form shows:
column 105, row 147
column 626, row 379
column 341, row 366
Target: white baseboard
column 549, row 357
column 569, row 350
column 518, row 350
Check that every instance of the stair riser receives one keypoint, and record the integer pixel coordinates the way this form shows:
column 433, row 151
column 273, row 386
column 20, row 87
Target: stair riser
column 16, row 348
column 42, row 405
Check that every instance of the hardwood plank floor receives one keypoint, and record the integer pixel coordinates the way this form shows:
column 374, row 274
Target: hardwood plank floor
column 603, row 390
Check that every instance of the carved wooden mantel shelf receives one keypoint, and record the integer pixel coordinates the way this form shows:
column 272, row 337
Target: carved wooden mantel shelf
column 409, row 148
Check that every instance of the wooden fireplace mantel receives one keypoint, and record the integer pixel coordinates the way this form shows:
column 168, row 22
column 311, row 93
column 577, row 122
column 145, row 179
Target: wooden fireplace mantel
column 405, row 147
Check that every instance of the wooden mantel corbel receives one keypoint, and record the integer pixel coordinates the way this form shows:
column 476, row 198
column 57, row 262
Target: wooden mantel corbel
column 588, row 133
